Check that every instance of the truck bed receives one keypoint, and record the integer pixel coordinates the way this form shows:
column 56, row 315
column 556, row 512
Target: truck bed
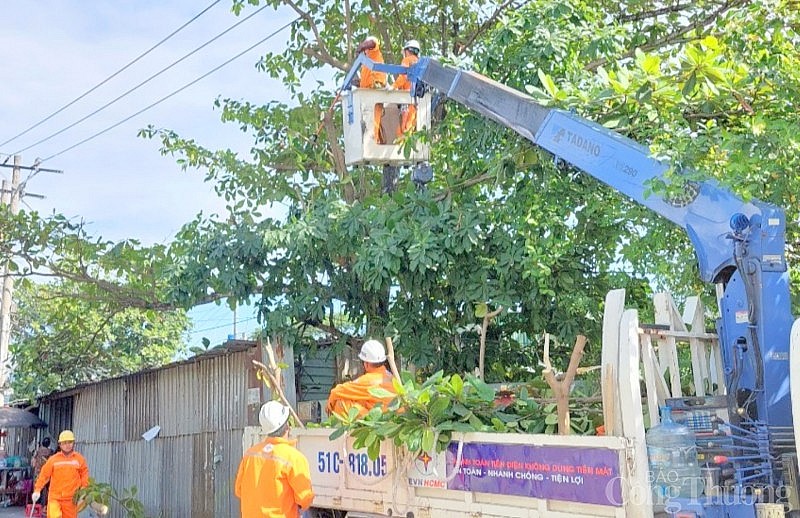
column 500, row 475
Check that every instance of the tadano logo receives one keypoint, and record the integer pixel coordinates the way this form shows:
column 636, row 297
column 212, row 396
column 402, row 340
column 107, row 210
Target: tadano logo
column 578, row 141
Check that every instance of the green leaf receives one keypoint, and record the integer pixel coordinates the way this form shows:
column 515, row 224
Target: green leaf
column 689, row 85
column 475, row 422
column 428, row 436
column 337, row 433
column 651, row 64
column 460, row 410
column 438, row 407
column 485, row 392
column 374, row 450
column 380, row 392
column 352, row 414
column 548, row 84
column 457, row 384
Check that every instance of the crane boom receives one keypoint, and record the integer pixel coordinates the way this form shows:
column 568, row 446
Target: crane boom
column 739, row 245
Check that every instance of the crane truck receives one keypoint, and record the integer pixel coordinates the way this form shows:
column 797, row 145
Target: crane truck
column 740, row 248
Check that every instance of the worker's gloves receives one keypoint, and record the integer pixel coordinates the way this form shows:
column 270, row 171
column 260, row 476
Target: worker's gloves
column 35, row 496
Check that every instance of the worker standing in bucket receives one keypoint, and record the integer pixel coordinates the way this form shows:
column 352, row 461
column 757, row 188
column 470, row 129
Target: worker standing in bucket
column 356, row 393
column 274, row 479
column 408, row 113
column 373, row 79
column 67, row 472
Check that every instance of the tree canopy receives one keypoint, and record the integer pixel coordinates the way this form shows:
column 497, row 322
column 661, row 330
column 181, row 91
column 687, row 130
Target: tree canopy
column 63, row 338
column 710, row 85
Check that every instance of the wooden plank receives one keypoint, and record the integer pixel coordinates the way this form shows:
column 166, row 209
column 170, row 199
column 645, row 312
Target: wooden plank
column 664, row 333
column 285, row 354
column 650, row 377
column 614, row 307
column 667, row 314
column 697, row 348
column 639, row 498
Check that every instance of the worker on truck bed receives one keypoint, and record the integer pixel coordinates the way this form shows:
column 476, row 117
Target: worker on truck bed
column 408, row 113
column 373, row 79
column 67, row 472
column 273, row 478
column 356, row 393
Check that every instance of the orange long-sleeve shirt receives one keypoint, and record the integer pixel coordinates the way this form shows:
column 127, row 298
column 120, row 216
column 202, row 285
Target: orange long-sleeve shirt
column 372, row 78
column 66, row 473
column 273, row 480
column 402, row 82
column 408, row 118
column 356, row 393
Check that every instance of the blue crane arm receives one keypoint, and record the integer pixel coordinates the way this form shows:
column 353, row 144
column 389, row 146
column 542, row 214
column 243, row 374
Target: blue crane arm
column 363, row 60
column 739, row 244
column 704, row 211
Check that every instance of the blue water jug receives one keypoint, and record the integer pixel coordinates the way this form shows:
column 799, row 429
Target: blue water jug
column 672, row 452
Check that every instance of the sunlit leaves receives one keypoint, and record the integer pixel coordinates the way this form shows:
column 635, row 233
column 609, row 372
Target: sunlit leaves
column 62, row 336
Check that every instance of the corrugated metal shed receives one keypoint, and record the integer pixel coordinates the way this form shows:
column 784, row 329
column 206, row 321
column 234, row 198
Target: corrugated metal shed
column 202, row 406
column 317, row 372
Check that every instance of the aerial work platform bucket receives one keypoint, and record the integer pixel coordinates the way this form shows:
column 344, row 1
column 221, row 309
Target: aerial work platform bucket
column 362, row 146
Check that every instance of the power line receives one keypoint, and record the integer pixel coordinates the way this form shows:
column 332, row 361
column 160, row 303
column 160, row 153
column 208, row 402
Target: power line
column 221, row 326
column 212, row 40
column 112, row 76
column 126, row 119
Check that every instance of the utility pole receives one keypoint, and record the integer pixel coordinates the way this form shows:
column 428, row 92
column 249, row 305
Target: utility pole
column 10, row 196
column 234, row 322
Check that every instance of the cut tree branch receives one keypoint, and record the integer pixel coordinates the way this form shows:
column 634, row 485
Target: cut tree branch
column 377, row 21
column 560, row 387
column 635, row 17
column 337, row 154
column 398, row 19
column 348, row 31
column 484, row 327
column 672, row 38
column 320, row 52
column 486, row 25
column 466, row 183
column 118, row 294
column 332, row 330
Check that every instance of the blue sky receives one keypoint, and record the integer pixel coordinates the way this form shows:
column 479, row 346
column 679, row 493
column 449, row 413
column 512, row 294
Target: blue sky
column 53, row 51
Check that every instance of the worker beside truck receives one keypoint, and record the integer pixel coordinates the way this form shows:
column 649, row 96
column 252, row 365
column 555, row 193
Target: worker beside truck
column 274, row 479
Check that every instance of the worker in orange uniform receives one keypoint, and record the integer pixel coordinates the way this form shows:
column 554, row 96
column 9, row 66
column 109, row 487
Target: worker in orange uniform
column 67, row 472
column 373, row 79
column 274, row 479
column 356, row 393
column 408, row 113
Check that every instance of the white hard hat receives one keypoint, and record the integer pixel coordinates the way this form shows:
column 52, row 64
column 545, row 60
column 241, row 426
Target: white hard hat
column 272, row 416
column 412, row 44
column 372, row 352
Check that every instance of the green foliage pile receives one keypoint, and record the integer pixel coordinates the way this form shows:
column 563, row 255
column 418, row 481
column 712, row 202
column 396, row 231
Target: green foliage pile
column 127, row 501
column 424, row 416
